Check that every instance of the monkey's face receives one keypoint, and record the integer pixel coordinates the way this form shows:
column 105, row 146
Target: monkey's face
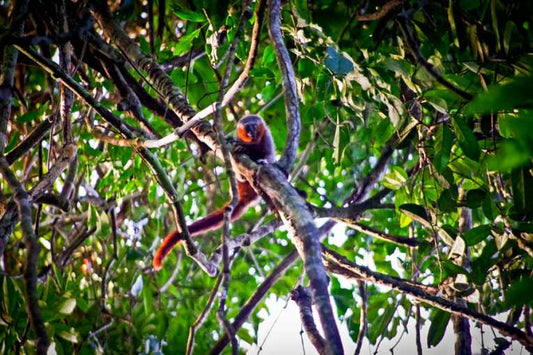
column 250, row 129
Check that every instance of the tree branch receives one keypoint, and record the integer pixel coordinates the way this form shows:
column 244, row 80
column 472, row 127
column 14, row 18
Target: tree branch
column 302, row 296
column 288, row 83
column 415, row 49
column 363, row 321
column 30, row 240
column 337, row 263
column 150, row 159
column 384, row 236
column 7, row 75
column 299, row 221
column 34, row 138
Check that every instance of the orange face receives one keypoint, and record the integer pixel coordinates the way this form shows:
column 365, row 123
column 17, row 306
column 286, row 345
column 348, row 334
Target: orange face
column 243, row 136
column 250, row 131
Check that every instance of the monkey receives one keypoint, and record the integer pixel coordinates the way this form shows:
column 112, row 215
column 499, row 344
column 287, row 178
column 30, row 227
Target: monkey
column 253, row 139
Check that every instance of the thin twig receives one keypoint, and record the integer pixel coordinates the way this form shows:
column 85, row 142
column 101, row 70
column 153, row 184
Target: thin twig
column 415, row 49
column 221, row 313
column 288, row 82
column 363, row 321
column 396, row 239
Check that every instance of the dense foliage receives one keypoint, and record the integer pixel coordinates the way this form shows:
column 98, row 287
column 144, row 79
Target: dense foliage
column 445, row 84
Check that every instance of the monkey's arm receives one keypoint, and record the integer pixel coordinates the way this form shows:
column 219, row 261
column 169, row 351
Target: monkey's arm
column 214, row 220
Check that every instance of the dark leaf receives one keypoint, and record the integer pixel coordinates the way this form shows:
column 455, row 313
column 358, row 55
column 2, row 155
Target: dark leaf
column 437, row 328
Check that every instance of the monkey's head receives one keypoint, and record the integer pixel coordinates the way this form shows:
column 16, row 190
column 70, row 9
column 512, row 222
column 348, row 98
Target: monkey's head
column 250, row 129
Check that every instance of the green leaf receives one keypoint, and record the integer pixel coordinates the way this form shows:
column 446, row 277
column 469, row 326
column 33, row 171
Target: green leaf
column 510, row 155
column 395, row 179
column 69, row 335
column 185, row 42
column 437, row 329
column 337, row 63
column 244, row 334
column 379, row 326
column 516, row 294
column 510, row 26
column 269, row 56
column 447, row 201
column 187, row 15
column 305, row 68
column 467, row 139
column 495, row 27
column 148, row 297
column 262, row 72
column 475, row 197
column 453, row 269
column 453, row 27
column 416, row 213
column 443, row 147
column 513, row 94
column 29, row 116
column 522, row 183
column 477, row 234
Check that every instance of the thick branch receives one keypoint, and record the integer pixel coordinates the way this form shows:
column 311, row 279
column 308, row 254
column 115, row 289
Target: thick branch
column 299, row 221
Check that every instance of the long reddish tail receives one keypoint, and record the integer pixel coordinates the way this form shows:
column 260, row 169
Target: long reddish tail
column 212, row 221
column 165, row 248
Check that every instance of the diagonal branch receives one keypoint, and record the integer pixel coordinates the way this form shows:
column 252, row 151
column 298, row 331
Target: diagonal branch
column 339, row 264
column 415, row 49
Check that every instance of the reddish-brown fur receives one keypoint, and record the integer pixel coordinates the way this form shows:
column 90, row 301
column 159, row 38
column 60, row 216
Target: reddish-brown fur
column 255, row 140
